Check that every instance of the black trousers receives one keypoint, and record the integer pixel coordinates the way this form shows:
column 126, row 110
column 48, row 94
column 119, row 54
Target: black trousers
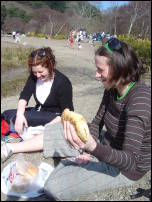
column 33, row 117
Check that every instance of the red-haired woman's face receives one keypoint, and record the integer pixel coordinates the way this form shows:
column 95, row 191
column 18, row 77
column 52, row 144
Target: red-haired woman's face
column 41, row 72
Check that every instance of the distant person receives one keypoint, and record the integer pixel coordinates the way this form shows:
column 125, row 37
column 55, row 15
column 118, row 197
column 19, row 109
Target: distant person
column 71, row 40
column 103, row 34
column 17, row 37
column 51, row 89
column 79, row 42
column 91, row 40
column 48, row 36
column 139, row 37
column 13, row 34
column 116, row 156
column 113, row 36
column 84, row 34
column 104, row 40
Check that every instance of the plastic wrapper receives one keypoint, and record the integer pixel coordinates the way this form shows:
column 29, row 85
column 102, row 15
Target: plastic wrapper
column 22, row 175
column 23, row 179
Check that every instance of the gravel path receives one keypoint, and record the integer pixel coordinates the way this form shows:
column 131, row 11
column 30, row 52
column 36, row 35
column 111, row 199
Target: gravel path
column 79, row 66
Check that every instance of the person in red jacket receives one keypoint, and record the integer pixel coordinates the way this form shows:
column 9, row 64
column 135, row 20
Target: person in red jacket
column 71, row 40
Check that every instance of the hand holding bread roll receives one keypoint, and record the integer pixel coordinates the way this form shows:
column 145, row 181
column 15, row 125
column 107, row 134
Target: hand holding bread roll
column 79, row 123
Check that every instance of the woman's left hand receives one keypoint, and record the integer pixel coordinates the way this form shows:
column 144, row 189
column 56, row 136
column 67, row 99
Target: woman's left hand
column 72, row 137
column 83, row 158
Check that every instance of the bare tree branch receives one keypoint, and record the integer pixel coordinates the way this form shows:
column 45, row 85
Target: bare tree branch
column 133, row 17
column 60, row 29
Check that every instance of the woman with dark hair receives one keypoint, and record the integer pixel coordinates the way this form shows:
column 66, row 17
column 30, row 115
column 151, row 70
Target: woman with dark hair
column 116, row 156
column 51, row 89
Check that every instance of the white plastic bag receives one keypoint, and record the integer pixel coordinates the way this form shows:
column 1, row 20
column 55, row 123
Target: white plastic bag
column 22, row 175
column 14, row 184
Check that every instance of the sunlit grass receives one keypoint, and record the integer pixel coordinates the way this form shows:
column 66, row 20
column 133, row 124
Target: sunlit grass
column 10, row 88
column 11, row 58
column 14, row 57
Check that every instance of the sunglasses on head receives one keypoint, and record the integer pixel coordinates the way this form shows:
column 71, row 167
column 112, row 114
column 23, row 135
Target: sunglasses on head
column 113, row 44
column 40, row 53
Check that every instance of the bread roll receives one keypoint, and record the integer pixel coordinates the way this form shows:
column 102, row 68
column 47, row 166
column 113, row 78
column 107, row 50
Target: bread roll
column 28, row 171
column 79, row 123
column 32, row 170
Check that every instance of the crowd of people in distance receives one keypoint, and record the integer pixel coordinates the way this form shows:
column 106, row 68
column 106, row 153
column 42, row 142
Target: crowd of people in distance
column 17, row 36
column 81, row 35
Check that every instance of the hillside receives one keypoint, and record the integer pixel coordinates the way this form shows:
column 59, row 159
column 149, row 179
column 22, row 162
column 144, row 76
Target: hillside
column 28, row 9
column 47, row 17
column 63, row 16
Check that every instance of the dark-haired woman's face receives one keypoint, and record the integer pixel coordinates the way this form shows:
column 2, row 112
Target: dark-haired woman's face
column 103, row 71
column 41, row 72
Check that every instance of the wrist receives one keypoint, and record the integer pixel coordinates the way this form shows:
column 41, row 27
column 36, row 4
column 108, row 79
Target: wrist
column 19, row 114
column 59, row 118
column 92, row 147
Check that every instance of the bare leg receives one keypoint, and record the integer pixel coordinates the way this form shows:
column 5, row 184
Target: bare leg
column 30, row 145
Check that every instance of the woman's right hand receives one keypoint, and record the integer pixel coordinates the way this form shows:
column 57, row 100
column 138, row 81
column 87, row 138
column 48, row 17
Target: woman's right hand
column 71, row 136
column 20, row 123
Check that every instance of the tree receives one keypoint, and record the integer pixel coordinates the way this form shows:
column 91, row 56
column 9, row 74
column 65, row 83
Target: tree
column 3, row 14
column 133, row 16
column 96, row 4
column 83, row 15
column 49, row 20
column 143, row 19
column 115, row 10
column 57, row 5
column 138, row 14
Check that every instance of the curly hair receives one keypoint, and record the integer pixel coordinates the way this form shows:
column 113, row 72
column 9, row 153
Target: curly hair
column 44, row 57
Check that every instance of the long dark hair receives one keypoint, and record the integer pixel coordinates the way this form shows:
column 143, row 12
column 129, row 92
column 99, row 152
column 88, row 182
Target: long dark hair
column 123, row 63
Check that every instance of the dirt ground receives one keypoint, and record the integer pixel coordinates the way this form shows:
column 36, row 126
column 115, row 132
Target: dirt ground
column 78, row 65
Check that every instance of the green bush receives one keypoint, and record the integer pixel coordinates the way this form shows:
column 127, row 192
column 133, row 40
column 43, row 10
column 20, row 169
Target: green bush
column 141, row 47
column 39, row 35
column 19, row 13
column 14, row 57
column 59, row 36
column 42, row 35
column 9, row 88
column 31, row 34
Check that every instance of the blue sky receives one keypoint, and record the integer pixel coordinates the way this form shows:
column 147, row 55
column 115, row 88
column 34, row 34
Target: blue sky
column 107, row 4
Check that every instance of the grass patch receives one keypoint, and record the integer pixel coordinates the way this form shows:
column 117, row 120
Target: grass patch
column 14, row 57
column 10, row 88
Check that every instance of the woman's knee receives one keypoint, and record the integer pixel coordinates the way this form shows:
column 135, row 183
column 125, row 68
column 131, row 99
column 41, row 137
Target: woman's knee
column 51, row 188
column 58, row 185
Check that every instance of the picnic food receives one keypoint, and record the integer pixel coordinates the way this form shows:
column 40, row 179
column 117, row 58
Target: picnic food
column 79, row 123
column 24, row 175
column 31, row 170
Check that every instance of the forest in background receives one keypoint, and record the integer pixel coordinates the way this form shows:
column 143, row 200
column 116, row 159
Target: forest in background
column 60, row 17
